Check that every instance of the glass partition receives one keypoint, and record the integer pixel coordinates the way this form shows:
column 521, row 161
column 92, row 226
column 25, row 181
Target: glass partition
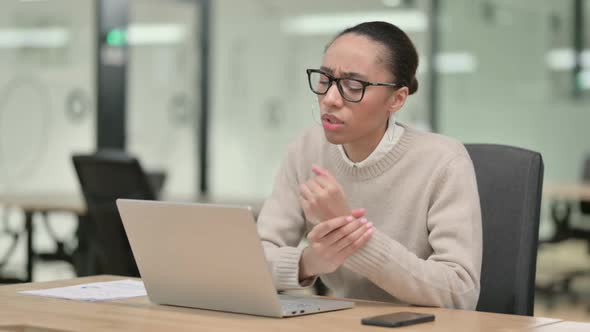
column 163, row 91
column 47, row 93
column 517, row 88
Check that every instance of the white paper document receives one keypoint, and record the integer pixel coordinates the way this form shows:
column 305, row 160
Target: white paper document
column 96, row 291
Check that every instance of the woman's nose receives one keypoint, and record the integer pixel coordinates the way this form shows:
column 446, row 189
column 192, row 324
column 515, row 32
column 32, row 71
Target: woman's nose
column 332, row 96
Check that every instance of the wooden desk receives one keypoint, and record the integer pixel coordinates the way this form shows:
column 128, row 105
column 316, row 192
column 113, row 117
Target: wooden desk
column 139, row 314
column 565, row 326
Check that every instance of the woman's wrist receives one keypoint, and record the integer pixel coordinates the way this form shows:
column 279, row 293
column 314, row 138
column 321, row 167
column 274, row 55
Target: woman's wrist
column 304, row 270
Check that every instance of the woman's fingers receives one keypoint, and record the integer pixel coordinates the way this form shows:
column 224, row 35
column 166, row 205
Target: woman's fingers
column 358, row 213
column 320, row 171
column 317, row 170
column 356, row 245
column 323, row 182
column 306, row 192
column 325, row 227
column 315, row 188
column 352, row 237
column 336, row 230
column 342, row 232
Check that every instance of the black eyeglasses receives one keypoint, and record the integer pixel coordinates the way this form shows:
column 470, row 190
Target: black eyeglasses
column 350, row 89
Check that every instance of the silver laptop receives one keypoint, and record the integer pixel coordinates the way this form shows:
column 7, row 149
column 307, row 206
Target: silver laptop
column 208, row 257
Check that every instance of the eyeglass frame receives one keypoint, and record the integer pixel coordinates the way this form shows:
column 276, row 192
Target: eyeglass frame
column 332, row 79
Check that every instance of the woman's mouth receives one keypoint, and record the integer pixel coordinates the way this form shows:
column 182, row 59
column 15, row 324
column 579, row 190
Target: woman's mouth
column 331, row 122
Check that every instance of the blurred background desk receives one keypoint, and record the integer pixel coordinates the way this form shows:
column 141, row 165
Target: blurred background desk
column 38, row 203
column 570, row 215
column 563, row 198
column 42, row 204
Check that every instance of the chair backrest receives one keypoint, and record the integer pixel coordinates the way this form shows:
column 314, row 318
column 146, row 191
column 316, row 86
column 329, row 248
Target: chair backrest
column 585, row 205
column 104, row 177
column 510, row 182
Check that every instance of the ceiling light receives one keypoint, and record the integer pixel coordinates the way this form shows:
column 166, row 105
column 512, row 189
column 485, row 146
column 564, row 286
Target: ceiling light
column 49, row 37
column 328, row 24
column 146, row 34
column 392, row 3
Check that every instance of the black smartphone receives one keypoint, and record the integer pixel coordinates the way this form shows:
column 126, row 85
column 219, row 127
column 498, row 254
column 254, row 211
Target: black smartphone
column 398, row 319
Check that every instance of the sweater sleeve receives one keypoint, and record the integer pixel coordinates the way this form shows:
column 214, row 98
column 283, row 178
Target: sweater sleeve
column 450, row 276
column 281, row 226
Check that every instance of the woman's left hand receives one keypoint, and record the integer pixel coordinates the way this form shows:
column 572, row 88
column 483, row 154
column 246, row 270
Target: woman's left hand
column 322, row 197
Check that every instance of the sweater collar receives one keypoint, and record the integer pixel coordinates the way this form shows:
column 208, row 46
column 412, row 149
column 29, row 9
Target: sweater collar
column 387, row 161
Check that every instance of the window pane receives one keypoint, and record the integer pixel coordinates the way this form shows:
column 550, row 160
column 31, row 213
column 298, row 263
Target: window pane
column 163, row 91
column 511, row 81
column 47, row 88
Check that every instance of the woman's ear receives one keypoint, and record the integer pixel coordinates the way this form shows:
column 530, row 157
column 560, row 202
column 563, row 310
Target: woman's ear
column 398, row 99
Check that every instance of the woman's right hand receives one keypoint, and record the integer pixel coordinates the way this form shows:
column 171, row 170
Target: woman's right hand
column 331, row 242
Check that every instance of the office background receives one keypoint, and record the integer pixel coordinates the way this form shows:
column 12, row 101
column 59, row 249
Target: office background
column 491, row 71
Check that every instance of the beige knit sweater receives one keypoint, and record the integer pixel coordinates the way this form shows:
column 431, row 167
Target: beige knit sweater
column 422, row 198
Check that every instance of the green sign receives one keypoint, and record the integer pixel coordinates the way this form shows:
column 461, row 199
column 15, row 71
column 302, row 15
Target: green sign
column 116, row 37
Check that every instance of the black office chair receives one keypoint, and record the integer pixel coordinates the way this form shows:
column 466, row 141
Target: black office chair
column 105, row 177
column 510, row 182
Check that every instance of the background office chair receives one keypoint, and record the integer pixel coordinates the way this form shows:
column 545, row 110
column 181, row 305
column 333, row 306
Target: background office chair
column 105, row 177
column 510, row 182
